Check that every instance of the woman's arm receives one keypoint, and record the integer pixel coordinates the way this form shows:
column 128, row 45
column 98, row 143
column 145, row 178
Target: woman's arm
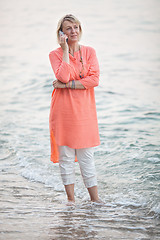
column 71, row 84
column 62, row 70
column 60, row 65
column 65, row 48
column 92, row 78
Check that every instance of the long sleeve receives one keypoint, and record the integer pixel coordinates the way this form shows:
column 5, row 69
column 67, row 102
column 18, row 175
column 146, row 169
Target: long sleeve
column 65, row 72
column 61, row 69
column 92, row 79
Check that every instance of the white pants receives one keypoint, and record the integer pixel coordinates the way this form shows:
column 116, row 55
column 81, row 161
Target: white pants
column 86, row 162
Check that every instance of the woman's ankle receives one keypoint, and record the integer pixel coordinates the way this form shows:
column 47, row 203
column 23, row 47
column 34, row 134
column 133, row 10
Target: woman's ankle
column 94, row 199
column 71, row 199
column 99, row 201
column 93, row 192
column 70, row 192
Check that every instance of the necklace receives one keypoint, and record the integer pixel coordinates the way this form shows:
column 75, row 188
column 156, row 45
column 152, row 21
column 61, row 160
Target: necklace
column 81, row 60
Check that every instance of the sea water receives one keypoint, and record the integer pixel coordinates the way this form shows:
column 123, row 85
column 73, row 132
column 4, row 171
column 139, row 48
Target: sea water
column 126, row 37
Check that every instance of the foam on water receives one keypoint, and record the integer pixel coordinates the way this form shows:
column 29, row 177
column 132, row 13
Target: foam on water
column 47, row 173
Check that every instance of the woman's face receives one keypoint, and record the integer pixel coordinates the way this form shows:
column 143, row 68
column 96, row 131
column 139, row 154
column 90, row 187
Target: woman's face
column 71, row 30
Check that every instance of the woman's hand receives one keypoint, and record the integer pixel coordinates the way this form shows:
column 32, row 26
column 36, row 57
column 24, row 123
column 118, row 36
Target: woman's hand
column 63, row 42
column 64, row 45
column 58, row 84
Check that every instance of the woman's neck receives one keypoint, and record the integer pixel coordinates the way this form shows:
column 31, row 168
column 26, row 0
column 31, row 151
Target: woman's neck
column 74, row 47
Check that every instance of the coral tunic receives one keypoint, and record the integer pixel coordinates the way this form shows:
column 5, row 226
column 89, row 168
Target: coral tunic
column 73, row 117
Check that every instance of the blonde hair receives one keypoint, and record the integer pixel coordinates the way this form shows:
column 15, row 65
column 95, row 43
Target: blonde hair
column 70, row 18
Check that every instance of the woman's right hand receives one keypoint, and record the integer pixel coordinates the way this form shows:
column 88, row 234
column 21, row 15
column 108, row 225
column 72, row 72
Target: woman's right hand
column 58, row 84
column 63, row 42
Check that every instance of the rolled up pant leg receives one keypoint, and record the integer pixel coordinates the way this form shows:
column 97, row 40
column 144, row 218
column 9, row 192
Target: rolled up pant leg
column 85, row 158
column 67, row 164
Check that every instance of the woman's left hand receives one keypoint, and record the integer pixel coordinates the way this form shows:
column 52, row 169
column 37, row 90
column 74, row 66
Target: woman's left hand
column 58, row 84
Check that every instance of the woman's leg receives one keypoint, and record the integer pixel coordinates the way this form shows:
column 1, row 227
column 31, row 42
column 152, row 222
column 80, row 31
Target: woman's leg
column 70, row 192
column 85, row 158
column 66, row 164
column 93, row 192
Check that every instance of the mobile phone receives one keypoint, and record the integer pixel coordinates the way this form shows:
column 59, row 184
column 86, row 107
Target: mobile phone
column 62, row 33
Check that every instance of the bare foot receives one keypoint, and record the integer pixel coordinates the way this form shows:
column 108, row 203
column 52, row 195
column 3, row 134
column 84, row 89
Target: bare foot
column 70, row 203
column 99, row 202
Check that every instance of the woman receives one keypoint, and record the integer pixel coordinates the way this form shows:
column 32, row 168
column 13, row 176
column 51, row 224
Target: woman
column 73, row 119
